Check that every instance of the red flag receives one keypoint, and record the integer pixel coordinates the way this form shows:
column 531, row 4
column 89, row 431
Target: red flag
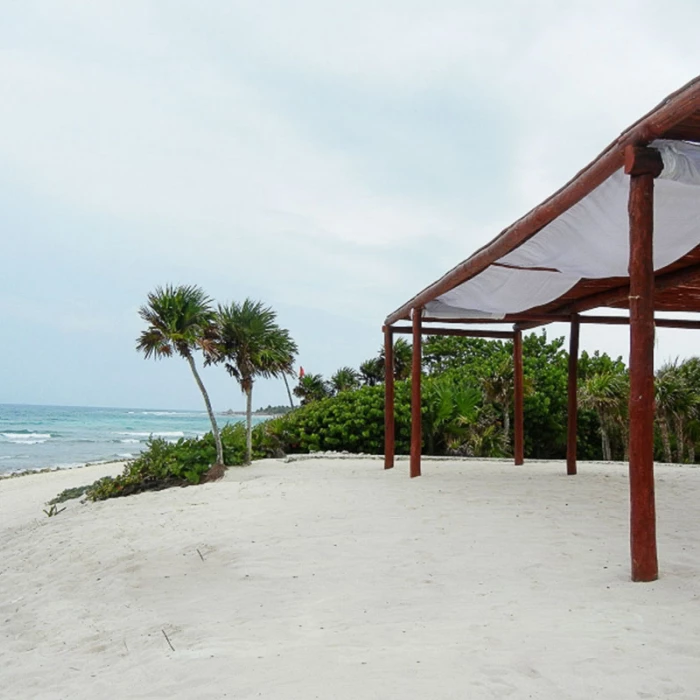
column 301, row 372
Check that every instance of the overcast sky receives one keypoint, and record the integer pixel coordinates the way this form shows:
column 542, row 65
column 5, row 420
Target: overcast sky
column 328, row 158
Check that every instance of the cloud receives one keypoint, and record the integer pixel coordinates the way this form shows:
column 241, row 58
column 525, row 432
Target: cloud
column 332, row 158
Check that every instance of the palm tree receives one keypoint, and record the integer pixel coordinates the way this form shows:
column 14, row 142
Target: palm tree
column 181, row 320
column 606, row 393
column 665, row 389
column 690, row 371
column 676, row 402
column 484, row 436
column 447, row 407
column 403, row 355
column 372, row 372
column 311, row 387
column 345, row 379
column 499, row 388
column 251, row 344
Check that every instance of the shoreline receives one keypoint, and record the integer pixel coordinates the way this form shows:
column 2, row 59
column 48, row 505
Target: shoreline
column 34, row 438
column 72, row 467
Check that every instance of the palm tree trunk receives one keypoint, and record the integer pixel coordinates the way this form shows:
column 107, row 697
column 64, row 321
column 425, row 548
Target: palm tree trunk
column 680, row 439
column 624, row 431
column 214, row 426
column 607, row 452
column 604, row 437
column 506, row 425
column 691, row 451
column 249, row 424
column 289, row 393
column 665, row 439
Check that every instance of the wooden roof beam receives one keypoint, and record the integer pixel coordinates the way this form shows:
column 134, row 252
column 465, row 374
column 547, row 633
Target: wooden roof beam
column 610, row 297
column 462, row 332
column 672, row 111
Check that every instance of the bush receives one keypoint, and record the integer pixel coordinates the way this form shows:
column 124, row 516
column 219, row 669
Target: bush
column 68, row 494
column 164, row 464
column 352, row 421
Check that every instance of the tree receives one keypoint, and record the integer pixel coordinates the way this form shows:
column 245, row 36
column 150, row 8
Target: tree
column 181, row 320
column 690, row 370
column 447, row 408
column 403, row 355
column 471, row 356
column 499, row 388
column 665, row 388
column 676, row 403
column 345, row 379
column 311, row 387
column 607, row 394
column 250, row 344
column 372, row 372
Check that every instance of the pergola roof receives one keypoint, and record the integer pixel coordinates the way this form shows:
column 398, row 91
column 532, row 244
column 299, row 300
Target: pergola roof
column 570, row 253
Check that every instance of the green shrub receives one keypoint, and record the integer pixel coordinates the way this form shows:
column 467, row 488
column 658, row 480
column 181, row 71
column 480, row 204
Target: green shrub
column 164, row 464
column 67, row 494
column 352, row 421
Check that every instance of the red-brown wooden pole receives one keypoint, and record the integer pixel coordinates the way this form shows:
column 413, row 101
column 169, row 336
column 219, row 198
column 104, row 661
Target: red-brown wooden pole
column 389, row 446
column 518, row 399
column 416, row 426
column 641, row 404
column 572, row 410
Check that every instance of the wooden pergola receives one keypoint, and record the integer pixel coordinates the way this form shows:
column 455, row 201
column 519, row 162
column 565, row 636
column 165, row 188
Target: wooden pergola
column 563, row 259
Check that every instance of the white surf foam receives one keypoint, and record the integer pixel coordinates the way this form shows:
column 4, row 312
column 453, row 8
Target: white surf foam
column 26, row 438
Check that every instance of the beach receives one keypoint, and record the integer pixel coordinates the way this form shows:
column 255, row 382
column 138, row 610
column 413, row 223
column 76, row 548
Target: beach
column 330, row 578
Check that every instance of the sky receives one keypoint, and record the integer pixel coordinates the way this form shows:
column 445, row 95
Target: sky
column 329, row 159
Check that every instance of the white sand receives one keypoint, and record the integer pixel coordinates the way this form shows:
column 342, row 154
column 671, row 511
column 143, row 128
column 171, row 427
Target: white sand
column 337, row 580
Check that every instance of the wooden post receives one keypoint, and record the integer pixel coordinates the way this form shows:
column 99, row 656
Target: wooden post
column 572, row 410
column 641, row 404
column 416, row 425
column 389, row 445
column 518, row 399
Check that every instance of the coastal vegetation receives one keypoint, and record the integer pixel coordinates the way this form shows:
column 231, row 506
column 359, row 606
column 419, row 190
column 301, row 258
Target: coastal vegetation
column 270, row 410
column 244, row 337
column 467, row 407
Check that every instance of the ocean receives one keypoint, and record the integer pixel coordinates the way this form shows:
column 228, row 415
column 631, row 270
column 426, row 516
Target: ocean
column 36, row 437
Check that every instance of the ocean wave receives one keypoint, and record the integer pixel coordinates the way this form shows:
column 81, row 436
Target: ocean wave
column 25, row 437
column 129, row 441
column 27, row 434
column 179, row 414
column 156, row 433
column 166, row 413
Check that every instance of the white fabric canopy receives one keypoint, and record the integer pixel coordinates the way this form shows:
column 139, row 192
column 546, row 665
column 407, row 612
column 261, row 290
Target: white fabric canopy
column 589, row 240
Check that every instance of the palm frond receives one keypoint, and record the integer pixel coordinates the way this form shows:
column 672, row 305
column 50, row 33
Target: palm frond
column 178, row 317
column 250, row 343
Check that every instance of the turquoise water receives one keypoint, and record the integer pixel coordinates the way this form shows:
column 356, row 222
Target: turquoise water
column 35, row 437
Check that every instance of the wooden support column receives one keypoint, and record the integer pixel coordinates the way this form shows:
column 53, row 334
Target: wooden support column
column 518, row 399
column 643, row 167
column 572, row 410
column 389, row 421
column 416, row 420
